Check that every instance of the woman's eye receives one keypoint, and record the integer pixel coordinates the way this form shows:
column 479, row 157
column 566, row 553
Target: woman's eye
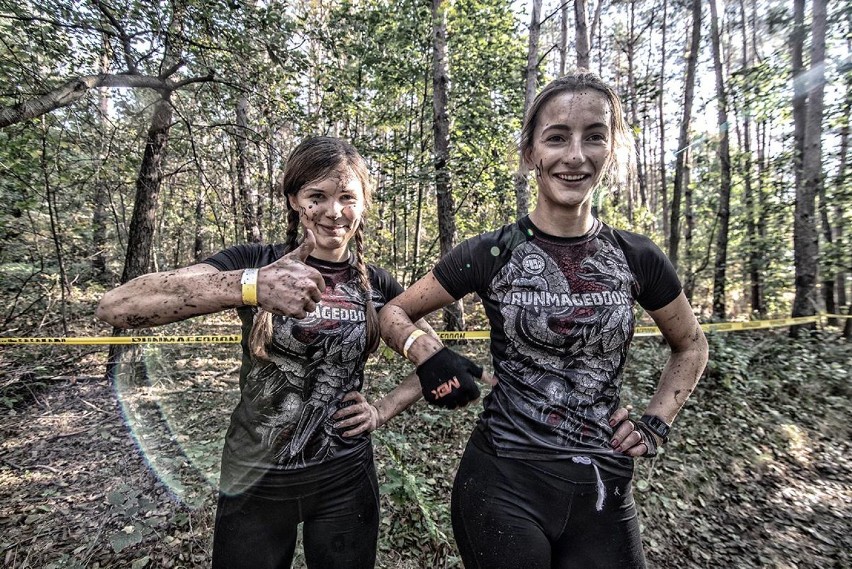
column 597, row 138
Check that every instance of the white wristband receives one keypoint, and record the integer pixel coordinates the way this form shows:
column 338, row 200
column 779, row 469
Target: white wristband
column 410, row 341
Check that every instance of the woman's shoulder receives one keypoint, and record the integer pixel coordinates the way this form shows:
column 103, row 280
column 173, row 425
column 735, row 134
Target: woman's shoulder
column 504, row 238
column 632, row 240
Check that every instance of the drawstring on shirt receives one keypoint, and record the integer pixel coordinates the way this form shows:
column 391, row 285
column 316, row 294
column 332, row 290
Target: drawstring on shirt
column 601, row 488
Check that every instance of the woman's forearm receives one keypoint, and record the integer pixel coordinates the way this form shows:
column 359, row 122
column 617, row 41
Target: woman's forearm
column 399, row 399
column 160, row 298
column 677, row 382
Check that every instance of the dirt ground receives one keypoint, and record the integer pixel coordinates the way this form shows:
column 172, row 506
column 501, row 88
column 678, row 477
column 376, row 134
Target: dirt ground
column 99, row 475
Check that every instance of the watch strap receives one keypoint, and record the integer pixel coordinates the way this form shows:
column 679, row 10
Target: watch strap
column 657, row 426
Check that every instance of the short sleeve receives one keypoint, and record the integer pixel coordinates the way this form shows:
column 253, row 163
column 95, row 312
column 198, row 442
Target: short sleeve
column 471, row 265
column 241, row 257
column 656, row 278
column 384, row 284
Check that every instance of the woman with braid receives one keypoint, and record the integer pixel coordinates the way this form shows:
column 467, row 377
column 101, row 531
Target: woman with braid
column 298, row 448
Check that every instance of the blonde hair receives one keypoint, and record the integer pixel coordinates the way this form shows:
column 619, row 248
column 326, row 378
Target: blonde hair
column 312, row 160
column 621, row 163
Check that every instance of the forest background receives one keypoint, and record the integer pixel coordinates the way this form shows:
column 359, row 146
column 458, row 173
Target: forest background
column 139, row 136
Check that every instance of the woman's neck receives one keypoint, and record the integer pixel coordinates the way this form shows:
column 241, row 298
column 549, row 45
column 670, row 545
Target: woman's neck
column 568, row 223
column 333, row 255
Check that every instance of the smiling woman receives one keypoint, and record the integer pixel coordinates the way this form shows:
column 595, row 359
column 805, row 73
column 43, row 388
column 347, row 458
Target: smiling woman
column 549, row 465
column 298, row 449
column 332, row 208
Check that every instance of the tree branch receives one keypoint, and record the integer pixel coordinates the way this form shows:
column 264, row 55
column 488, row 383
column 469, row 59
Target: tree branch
column 122, row 35
column 77, row 88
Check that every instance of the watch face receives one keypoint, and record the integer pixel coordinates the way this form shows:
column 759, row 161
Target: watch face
column 657, row 425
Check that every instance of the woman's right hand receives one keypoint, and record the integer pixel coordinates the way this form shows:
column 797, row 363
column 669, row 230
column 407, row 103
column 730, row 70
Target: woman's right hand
column 449, row 380
column 626, row 438
column 289, row 286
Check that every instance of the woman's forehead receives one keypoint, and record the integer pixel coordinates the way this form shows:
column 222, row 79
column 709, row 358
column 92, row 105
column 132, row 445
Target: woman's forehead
column 576, row 107
column 338, row 180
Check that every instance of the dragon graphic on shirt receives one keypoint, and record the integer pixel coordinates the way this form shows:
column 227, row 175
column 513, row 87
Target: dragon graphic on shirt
column 568, row 320
column 312, row 363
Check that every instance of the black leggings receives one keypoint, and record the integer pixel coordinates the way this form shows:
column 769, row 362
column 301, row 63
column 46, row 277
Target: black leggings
column 257, row 528
column 525, row 514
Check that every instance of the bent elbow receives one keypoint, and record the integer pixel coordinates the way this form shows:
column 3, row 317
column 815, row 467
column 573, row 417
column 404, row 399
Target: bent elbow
column 106, row 313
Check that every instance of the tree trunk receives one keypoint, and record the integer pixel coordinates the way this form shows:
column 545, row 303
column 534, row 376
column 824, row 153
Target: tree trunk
column 522, row 188
column 839, row 182
column 453, row 314
column 140, row 236
column 563, row 39
column 681, row 155
column 634, row 126
column 805, row 237
column 662, row 123
column 721, row 262
column 198, row 241
column 581, row 34
column 751, row 213
column 245, row 189
column 99, row 209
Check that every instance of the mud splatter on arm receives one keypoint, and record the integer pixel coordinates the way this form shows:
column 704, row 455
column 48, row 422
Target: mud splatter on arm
column 686, row 363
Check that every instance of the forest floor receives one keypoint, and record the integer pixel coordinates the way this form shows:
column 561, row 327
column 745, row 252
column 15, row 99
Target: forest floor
column 122, row 474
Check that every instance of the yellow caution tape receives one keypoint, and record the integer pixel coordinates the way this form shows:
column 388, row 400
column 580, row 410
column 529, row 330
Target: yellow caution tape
column 471, row 335
column 640, row 331
column 103, row 340
column 733, row 326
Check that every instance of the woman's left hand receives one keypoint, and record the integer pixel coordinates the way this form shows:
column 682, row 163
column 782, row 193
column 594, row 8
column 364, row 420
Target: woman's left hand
column 358, row 417
column 626, row 439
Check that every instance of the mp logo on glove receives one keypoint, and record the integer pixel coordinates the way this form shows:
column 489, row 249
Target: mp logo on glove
column 446, row 388
column 448, row 379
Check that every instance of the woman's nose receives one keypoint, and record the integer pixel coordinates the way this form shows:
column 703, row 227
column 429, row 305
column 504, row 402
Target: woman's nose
column 574, row 153
column 335, row 210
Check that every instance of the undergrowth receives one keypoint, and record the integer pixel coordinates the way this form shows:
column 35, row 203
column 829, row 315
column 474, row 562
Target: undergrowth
column 754, row 474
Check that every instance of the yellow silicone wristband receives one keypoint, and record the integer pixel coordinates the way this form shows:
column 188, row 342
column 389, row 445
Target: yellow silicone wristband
column 249, row 284
column 410, row 341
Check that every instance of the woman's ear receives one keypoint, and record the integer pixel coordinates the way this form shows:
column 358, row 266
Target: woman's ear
column 291, row 199
column 527, row 155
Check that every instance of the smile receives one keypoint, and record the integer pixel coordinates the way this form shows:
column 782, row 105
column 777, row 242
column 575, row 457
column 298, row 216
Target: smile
column 571, row 177
column 333, row 228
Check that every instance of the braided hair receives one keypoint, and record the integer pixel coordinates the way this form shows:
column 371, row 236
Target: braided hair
column 312, row 160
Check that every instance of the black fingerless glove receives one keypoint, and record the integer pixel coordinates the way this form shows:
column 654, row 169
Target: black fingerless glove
column 648, row 439
column 449, row 380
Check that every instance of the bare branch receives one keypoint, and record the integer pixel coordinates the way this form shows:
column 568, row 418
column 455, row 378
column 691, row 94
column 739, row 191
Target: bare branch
column 183, row 83
column 122, row 35
column 75, row 89
column 172, row 69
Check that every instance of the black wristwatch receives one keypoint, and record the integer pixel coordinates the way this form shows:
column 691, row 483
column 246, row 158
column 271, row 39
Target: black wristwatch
column 657, row 426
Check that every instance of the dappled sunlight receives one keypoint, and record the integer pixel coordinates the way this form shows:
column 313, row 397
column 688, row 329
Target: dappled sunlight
column 798, row 444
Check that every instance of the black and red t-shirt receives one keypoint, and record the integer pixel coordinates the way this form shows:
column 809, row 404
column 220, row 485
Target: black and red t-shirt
column 283, row 419
column 561, row 315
